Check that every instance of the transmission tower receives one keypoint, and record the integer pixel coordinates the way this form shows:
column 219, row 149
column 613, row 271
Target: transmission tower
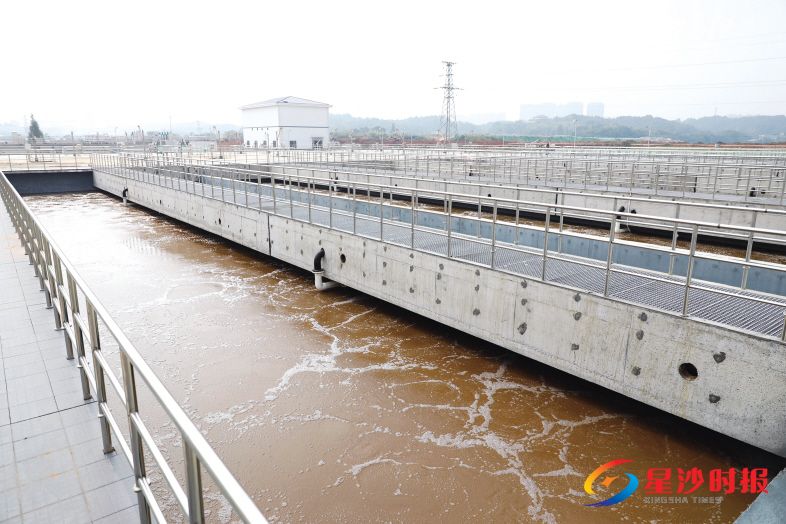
column 448, row 128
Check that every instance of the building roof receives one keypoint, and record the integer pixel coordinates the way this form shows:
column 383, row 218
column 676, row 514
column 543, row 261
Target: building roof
column 285, row 100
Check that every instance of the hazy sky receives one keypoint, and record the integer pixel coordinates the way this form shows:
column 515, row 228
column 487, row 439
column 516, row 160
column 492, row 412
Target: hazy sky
column 96, row 65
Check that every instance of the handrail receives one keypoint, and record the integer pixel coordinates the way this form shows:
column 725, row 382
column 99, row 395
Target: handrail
column 235, row 188
column 509, row 202
column 714, row 181
column 36, row 160
column 523, row 187
column 58, row 279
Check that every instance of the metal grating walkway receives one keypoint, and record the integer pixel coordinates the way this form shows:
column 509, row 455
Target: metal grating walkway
column 734, row 307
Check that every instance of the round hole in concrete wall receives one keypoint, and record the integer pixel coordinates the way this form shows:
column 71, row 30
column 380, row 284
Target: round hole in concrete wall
column 343, row 258
column 688, row 371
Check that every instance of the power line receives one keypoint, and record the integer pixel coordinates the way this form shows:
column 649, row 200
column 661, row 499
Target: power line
column 667, row 87
column 710, row 103
column 697, row 64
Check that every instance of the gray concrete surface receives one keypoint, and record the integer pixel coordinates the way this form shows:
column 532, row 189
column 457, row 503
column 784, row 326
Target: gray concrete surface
column 735, row 211
column 636, row 350
column 46, row 182
column 52, row 468
column 768, row 508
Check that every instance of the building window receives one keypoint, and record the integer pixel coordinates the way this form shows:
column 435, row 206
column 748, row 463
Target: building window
column 316, row 142
column 274, row 143
column 255, row 144
column 264, row 143
column 293, row 144
column 248, row 142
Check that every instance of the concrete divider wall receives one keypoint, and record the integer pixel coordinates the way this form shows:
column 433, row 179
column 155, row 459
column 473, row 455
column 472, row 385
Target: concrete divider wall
column 733, row 213
column 46, row 182
column 634, row 255
column 740, row 389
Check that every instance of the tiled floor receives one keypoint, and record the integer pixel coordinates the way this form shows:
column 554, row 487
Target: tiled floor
column 52, row 468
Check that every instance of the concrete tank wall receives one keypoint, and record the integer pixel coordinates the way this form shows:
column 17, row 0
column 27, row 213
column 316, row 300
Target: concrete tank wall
column 740, row 389
column 46, row 182
column 727, row 272
column 736, row 213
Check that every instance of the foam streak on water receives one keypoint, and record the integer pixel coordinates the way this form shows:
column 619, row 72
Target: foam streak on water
column 333, row 406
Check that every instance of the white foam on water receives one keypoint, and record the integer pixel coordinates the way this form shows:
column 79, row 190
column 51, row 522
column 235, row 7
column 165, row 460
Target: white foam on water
column 477, row 434
column 224, row 507
column 327, row 362
column 316, row 415
column 358, row 468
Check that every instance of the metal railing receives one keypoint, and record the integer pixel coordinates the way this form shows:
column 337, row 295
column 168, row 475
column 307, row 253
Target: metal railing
column 668, row 208
column 44, row 161
column 736, row 183
column 714, row 177
column 341, row 208
column 81, row 315
column 746, row 214
column 732, row 215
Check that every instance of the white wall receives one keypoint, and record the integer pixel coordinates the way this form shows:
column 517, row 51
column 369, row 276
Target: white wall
column 260, row 117
column 283, row 124
column 303, row 136
column 297, row 116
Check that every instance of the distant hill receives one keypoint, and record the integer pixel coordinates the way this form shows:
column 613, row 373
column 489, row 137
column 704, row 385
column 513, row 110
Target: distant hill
column 707, row 129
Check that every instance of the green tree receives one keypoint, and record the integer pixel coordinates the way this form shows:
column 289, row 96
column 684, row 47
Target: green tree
column 35, row 131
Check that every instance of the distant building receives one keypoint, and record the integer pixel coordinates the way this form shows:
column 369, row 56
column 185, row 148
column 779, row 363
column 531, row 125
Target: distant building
column 286, row 123
column 529, row 111
column 202, row 145
column 595, row 109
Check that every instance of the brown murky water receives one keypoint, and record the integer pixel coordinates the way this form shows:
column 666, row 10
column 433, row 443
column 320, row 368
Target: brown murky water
column 337, row 407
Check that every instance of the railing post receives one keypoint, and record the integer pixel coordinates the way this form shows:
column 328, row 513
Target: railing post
column 30, row 237
column 95, row 347
column 783, row 331
column 689, row 276
column 60, row 298
column 354, row 209
column 412, row 219
column 494, row 236
column 196, row 508
column 748, row 253
column 273, row 189
column 449, row 225
column 610, row 254
column 545, row 244
column 381, row 213
column 674, row 237
column 81, row 362
column 137, row 451
column 53, row 292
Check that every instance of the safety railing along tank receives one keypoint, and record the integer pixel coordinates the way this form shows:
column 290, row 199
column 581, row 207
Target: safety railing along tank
column 86, row 323
column 745, row 215
column 746, row 182
column 288, row 198
column 44, row 161
column 736, row 183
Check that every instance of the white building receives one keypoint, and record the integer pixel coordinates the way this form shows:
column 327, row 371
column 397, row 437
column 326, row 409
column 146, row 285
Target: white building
column 286, row 123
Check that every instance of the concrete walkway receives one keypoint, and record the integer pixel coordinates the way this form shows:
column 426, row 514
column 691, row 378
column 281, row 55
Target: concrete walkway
column 52, row 468
column 768, row 508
